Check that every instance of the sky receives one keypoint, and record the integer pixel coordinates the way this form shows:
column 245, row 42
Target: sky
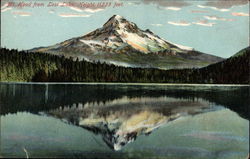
column 219, row 28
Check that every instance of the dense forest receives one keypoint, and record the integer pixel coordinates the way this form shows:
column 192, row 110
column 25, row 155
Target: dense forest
column 43, row 67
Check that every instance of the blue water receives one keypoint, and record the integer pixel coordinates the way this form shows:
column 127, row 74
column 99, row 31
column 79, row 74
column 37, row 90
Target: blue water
column 124, row 121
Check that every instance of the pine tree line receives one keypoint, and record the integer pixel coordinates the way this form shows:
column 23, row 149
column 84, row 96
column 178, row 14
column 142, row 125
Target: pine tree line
column 43, row 67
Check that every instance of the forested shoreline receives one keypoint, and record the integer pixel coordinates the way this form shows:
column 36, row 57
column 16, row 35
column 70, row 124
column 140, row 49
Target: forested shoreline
column 22, row 66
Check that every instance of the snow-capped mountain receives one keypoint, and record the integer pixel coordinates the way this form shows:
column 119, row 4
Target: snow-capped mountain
column 118, row 33
column 121, row 42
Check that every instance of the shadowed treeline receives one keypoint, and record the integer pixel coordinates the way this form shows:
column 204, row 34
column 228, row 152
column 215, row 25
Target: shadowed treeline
column 43, row 97
column 42, row 67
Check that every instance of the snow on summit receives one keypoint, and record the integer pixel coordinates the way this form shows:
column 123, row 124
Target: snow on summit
column 123, row 43
column 121, row 32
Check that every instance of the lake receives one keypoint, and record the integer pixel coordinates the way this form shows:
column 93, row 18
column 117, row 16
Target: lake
column 124, row 121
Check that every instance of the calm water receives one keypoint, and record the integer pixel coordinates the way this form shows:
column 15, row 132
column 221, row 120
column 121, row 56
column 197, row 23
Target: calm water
column 124, row 121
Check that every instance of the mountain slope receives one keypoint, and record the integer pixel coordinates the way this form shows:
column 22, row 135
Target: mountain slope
column 122, row 43
column 235, row 69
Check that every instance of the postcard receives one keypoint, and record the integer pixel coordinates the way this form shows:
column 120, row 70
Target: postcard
column 139, row 79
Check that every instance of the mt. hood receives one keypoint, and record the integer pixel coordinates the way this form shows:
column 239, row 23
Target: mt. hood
column 122, row 43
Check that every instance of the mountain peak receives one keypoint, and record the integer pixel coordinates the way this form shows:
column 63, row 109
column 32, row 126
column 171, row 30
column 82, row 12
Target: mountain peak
column 119, row 22
column 121, row 42
column 114, row 20
column 117, row 17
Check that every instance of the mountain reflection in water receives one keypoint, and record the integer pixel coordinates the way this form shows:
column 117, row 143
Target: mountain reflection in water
column 120, row 121
column 121, row 114
column 40, row 97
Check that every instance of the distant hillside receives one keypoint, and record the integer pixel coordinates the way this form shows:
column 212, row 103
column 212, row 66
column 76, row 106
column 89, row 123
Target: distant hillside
column 42, row 67
column 235, row 69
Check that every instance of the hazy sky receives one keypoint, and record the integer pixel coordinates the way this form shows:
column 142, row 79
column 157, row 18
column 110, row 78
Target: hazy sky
column 217, row 27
